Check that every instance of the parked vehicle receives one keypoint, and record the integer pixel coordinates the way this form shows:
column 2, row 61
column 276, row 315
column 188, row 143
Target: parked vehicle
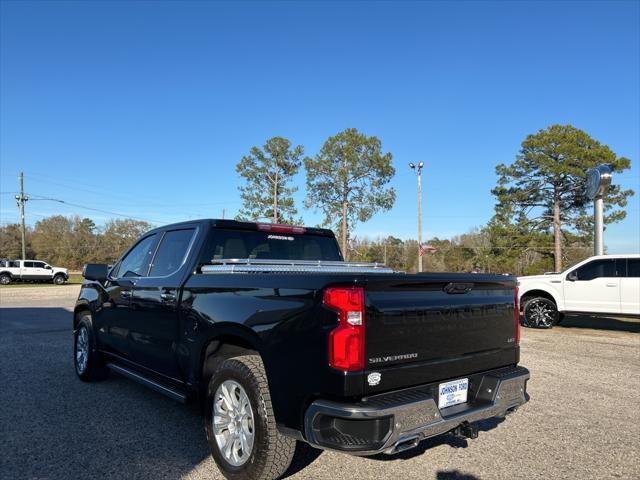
column 605, row 284
column 283, row 341
column 31, row 271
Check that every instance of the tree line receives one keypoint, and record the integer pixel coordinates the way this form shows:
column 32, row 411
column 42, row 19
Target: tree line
column 71, row 241
column 541, row 222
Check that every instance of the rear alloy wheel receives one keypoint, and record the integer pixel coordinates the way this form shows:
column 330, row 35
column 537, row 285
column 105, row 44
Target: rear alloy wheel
column 540, row 312
column 241, row 428
column 5, row 279
column 58, row 279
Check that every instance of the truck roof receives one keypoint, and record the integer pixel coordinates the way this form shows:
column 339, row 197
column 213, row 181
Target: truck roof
column 235, row 224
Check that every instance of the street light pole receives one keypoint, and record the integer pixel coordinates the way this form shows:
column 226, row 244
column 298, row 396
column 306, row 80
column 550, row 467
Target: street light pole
column 597, row 187
column 418, row 169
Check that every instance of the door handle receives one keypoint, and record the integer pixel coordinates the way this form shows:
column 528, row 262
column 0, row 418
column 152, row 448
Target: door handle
column 125, row 293
column 167, row 297
column 612, row 284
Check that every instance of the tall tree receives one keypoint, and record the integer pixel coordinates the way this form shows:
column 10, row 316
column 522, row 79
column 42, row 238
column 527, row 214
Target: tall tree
column 11, row 241
column 267, row 172
column 545, row 183
column 118, row 235
column 347, row 179
column 52, row 240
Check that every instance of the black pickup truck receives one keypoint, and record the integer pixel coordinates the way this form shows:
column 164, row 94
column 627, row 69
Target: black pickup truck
column 283, row 341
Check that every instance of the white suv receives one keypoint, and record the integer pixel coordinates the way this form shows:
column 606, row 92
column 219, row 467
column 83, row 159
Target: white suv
column 605, row 284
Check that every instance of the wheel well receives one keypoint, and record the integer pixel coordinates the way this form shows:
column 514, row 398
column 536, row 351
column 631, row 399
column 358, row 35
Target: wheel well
column 6, row 273
column 220, row 349
column 536, row 293
column 77, row 313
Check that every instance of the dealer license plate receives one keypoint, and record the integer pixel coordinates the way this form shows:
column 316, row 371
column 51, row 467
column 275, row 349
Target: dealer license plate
column 453, row 393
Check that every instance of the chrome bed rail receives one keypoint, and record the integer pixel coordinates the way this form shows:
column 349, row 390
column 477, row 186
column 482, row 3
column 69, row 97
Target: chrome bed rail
column 260, row 265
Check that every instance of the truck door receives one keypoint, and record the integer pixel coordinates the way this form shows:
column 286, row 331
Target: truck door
column 115, row 318
column 630, row 289
column 28, row 270
column 593, row 287
column 155, row 327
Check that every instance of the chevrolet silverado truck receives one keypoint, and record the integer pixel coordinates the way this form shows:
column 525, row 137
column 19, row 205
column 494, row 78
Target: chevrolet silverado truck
column 31, row 271
column 282, row 341
column 600, row 285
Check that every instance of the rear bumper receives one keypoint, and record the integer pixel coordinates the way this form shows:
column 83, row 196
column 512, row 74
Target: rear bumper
column 392, row 421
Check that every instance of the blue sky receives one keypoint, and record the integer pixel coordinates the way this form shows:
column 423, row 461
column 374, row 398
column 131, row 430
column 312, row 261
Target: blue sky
column 144, row 108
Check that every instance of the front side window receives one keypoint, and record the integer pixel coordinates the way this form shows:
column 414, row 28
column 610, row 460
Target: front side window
column 597, row 269
column 172, row 252
column 38, row 264
column 136, row 262
column 28, row 264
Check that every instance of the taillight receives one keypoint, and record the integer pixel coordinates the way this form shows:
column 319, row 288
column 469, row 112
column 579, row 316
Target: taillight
column 278, row 228
column 346, row 341
column 517, row 308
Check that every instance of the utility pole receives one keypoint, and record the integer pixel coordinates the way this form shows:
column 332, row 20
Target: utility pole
column 21, row 200
column 418, row 169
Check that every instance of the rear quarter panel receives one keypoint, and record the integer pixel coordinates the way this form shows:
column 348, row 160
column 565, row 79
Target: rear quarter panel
column 285, row 323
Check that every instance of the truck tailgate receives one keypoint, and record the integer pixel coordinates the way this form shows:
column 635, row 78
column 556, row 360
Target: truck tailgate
column 431, row 327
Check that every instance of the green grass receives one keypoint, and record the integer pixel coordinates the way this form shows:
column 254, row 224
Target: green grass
column 74, row 279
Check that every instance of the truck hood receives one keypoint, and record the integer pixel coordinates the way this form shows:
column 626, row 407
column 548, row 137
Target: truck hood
column 539, row 278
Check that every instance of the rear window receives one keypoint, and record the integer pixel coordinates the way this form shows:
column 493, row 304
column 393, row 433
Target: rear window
column 172, row 252
column 254, row 244
column 633, row 268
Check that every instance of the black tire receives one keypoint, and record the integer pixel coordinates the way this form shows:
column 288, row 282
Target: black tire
column 59, row 279
column 540, row 312
column 272, row 452
column 93, row 370
column 5, row 279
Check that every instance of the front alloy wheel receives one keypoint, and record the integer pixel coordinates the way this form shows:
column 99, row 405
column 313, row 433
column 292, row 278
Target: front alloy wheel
column 82, row 350
column 86, row 358
column 540, row 312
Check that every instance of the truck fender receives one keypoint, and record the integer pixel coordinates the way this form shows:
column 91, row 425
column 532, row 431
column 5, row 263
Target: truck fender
column 220, row 341
column 540, row 287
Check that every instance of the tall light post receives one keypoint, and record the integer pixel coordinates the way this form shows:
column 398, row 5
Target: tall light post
column 418, row 170
column 598, row 183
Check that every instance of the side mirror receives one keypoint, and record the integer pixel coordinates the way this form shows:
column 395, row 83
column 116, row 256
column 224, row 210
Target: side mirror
column 573, row 276
column 95, row 271
column 48, row 267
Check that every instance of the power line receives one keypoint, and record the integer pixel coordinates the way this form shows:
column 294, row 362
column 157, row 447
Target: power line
column 118, row 214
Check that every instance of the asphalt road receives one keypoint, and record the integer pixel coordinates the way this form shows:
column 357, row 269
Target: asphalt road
column 583, row 420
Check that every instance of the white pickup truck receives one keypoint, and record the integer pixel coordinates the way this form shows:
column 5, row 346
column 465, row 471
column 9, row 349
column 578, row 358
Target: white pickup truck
column 31, row 271
column 605, row 284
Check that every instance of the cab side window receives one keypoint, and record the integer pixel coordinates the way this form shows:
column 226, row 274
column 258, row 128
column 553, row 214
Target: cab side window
column 136, row 262
column 597, row 269
column 38, row 264
column 172, row 252
column 633, row 267
column 28, row 264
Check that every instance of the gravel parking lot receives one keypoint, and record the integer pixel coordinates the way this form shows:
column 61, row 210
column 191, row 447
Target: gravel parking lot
column 583, row 420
